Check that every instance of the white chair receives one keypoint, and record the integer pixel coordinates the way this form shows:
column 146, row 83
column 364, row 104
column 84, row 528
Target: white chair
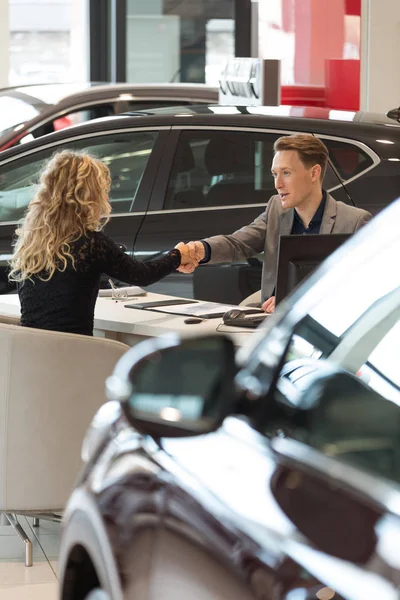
column 10, row 320
column 51, row 385
column 252, row 300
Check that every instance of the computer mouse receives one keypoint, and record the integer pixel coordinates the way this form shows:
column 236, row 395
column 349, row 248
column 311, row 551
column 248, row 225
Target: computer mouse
column 234, row 313
column 193, row 320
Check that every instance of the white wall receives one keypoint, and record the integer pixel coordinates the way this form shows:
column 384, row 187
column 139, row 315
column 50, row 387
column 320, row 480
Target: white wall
column 4, row 43
column 380, row 51
column 40, row 15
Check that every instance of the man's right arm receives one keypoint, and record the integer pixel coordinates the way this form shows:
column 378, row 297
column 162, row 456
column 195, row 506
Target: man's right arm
column 227, row 248
column 240, row 245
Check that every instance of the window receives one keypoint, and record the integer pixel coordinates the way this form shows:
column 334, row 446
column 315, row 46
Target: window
column 194, row 38
column 81, row 116
column 348, row 159
column 72, row 118
column 143, row 104
column 48, row 41
column 354, row 323
column 126, row 155
column 221, row 168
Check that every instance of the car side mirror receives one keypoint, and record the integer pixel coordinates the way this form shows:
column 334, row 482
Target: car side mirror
column 174, row 388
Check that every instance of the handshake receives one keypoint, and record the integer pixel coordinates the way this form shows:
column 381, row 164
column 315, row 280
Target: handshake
column 191, row 254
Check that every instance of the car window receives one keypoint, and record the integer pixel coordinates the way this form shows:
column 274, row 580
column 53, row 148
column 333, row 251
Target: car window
column 356, row 327
column 74, row 117
column 331, row 180
column 382, row 367
column 349, row 160
column 126, row 155
column 81, row 116
column 223, row 168
column 220, row 168
column 357, row 421
column 147, row 104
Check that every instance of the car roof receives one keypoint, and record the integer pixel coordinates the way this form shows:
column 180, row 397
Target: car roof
column 70, row 93
column 362, row 126
column 300, row 112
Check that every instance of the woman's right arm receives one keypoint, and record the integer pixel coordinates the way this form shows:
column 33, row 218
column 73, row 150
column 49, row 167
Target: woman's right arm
column 115, row 263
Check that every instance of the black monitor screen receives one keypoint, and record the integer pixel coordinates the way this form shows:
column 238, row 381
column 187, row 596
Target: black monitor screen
column 300, row 255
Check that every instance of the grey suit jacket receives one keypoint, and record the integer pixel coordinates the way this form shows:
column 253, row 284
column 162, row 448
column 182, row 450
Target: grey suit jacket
column 262, row 235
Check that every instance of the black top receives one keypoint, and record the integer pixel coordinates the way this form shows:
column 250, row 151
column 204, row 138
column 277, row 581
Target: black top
column 314, row 226
column 66, row 302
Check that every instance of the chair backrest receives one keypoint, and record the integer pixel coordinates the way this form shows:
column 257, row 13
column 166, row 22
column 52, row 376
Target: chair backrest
column 253, row 300
column 10, row 320
column 51, row 384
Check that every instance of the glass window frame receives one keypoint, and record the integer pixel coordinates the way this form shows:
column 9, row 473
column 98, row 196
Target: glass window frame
column 82, row 143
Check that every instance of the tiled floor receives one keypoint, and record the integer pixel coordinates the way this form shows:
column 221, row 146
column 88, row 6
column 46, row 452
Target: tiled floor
column 38, row 582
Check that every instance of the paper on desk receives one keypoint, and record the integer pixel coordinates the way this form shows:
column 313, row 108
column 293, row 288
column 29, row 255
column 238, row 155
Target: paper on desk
column 133, row 290
column 200, row 308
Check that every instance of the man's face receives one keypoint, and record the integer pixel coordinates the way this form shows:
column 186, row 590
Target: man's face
column 293, row 181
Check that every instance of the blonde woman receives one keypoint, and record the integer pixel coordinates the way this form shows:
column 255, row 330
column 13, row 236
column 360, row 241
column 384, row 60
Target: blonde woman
column 61, row 252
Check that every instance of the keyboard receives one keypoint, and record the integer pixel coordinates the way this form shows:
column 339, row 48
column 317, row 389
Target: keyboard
column 252, row 321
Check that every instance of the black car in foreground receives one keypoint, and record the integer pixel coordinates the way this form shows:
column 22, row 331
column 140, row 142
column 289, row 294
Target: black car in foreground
column 185, row 173
column 272, row 475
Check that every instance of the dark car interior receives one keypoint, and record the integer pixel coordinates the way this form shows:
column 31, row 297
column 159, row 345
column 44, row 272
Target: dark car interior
column 219, row 169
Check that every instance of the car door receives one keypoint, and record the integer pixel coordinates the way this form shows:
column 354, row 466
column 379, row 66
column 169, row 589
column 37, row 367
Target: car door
column 132, row 157
column 212, row 182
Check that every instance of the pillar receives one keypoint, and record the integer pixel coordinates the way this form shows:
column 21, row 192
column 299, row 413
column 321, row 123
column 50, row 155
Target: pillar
column 380, row 46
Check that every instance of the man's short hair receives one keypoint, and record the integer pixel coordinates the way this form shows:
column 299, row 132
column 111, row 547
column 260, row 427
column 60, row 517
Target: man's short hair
column 310, row 149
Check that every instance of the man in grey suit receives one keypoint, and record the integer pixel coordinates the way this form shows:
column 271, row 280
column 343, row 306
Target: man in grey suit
column 300, row 207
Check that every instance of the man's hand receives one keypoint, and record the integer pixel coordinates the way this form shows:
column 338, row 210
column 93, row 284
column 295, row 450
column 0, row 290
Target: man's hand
column 269, row 305
column 195, row 252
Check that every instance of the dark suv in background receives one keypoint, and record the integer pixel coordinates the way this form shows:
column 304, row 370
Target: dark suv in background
column 184, row 173
column 30, row 111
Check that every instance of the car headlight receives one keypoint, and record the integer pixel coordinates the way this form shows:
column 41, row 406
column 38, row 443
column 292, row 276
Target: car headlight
column 107, row 414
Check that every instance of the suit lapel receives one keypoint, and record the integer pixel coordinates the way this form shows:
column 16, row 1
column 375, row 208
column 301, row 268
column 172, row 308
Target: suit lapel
column 286, row 222
column 329, row 216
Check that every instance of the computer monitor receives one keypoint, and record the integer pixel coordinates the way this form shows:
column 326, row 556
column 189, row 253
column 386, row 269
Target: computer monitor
column 300, row 255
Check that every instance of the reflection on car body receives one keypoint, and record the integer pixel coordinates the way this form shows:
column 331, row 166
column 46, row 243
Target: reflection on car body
column 283, row 482
column 186, row 173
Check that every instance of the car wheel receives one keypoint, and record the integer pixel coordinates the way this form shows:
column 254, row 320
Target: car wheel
column 97, row 594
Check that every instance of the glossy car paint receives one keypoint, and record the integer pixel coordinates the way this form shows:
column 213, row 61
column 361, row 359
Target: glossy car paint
column 198, row 517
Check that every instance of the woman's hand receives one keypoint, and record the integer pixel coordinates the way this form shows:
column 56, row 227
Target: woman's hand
column 188, row 262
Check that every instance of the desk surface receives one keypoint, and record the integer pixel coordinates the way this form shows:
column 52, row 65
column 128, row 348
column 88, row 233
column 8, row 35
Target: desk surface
column 113, row 319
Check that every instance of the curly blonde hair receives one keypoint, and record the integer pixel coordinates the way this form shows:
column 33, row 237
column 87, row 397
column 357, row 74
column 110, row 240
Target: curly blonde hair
column 72, row 199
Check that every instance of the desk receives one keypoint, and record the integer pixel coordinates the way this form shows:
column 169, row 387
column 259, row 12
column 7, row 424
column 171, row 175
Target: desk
column 130, row 326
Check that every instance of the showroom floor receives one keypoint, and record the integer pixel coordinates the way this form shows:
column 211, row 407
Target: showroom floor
column 38, row 582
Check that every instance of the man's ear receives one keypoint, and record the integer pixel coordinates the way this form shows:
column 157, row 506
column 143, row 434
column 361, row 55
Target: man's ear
column 316, row 172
